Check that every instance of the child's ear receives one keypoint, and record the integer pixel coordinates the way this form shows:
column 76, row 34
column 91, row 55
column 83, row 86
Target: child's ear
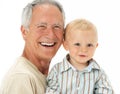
column 65, row 45
column 24, row 32
column 96, row 45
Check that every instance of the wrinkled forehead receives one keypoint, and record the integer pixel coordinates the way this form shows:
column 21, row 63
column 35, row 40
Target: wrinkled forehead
column 48, row 10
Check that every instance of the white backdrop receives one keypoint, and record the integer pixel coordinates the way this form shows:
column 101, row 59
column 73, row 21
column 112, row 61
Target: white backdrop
column 105, row 14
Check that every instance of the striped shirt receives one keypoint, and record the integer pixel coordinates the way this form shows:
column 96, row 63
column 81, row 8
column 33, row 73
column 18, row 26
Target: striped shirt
column 65, row 79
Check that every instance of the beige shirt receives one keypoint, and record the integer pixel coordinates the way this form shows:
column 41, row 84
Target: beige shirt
column 23, row 78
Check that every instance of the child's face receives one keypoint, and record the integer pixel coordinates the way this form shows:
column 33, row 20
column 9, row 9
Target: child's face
column 81, row 45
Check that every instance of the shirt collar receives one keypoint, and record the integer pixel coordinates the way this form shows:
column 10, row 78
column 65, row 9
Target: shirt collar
column 66, row 65
column 92, row 65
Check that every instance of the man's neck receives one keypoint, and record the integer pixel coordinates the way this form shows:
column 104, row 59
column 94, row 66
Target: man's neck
column 42, row 65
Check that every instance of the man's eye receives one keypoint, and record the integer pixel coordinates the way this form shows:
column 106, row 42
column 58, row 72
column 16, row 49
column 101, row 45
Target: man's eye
column 57, row 27
column 77, row 44
column 41, row 26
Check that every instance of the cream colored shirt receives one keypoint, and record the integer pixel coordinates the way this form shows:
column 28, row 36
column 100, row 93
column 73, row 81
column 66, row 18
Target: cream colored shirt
column 23, row 78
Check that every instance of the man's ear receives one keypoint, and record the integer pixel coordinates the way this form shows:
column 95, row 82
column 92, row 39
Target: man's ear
column 24, row 32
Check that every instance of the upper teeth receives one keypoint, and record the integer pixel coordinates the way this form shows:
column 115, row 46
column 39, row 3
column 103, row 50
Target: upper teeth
column 47, row 44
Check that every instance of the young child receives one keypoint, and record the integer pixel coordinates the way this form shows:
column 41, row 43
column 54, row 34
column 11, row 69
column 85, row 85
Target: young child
column 79, row 73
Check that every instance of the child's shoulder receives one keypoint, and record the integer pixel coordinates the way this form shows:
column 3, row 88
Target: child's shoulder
column 58, row 65
column 98, row 68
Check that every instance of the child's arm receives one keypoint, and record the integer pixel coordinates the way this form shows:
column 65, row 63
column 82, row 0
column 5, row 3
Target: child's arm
column 103, row 85
column 52, row 82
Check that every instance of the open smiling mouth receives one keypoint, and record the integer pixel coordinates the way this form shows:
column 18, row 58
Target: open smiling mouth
column 47, row 44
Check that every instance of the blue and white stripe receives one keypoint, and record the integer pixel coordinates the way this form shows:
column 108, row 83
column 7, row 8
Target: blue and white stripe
column 65, row 79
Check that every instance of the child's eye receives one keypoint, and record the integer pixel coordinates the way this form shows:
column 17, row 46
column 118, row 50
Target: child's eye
column 89, row 45
column 77, row 44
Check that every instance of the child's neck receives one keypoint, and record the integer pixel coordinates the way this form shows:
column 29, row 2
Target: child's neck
column 80, row 66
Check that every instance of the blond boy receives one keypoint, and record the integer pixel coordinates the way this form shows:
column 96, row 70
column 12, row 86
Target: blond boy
column 79, row 73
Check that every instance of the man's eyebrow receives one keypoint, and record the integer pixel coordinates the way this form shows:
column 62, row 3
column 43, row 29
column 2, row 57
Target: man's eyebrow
column 42, row 23
column 59, row 24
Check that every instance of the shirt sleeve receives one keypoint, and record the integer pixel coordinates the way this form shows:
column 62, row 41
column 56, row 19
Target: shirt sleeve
column 20, row 84
column 52, row 82
column 103, row 85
